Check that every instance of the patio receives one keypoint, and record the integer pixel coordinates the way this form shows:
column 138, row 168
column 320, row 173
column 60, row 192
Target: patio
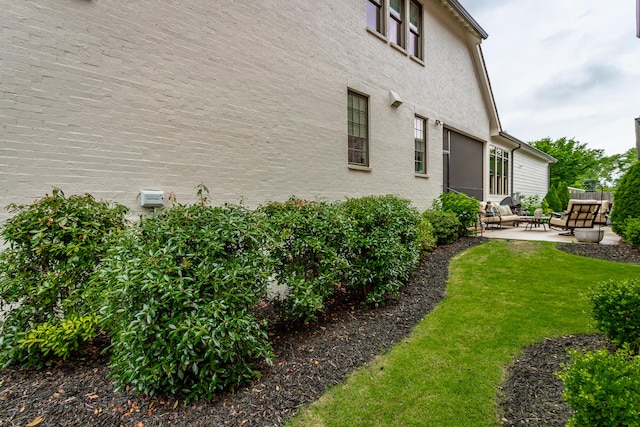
column 539, row 233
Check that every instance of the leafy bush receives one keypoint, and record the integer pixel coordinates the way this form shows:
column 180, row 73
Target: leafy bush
column 632, row 231
column 563, row 194
column 184, row 286
column 552, row 200
column 307, row 249
column 466, row 208
column 446, row 225
column 54, row 246
column 616, row 310
column 529, row 204
column 627, row 199
column 382, row 246
column 427, row 239
column 603, row 388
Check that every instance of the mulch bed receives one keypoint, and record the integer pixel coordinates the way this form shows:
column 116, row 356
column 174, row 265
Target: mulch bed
column 309, row 359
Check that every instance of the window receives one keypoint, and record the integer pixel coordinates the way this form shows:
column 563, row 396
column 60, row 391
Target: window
column 420, row 141
column 374, row 15
column 498, row 171
column 415, row 29
column 358, row 122
column 396, row 28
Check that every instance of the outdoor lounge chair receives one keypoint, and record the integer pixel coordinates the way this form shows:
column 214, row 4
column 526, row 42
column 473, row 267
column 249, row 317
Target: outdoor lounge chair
column 579, row 214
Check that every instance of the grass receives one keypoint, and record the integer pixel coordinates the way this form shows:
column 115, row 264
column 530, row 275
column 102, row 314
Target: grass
column 501, row 297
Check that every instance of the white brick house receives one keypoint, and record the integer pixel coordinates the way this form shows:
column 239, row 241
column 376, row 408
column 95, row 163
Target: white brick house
column 259, row 100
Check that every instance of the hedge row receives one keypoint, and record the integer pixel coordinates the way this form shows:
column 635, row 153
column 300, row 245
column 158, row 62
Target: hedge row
column 178, row 292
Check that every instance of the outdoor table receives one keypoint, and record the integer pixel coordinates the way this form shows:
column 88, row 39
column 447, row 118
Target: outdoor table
column 534, row 221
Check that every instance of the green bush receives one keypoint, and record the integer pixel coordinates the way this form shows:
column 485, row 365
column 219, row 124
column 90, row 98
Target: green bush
column 446, row 225
column 627, row 199
column 529, row 204
column 563, row 194
column 54, row 246
column 552, row 200
column 632, row 231
column 616, row 310
column 427, row 239
column 466, row 208
column 603, row 388
column 307, row 249
column 382, row 246
column 183, row 290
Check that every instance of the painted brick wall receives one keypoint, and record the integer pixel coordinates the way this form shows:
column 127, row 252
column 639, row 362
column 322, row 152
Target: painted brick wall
column 111, row 97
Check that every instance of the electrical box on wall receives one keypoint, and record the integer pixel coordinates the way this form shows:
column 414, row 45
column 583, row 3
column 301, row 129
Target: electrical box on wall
column 151, row 199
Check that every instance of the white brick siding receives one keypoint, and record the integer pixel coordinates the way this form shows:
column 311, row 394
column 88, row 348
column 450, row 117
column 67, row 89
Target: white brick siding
column 249, row 97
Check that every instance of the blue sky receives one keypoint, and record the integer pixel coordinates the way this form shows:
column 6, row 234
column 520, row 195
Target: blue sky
column 563, row 68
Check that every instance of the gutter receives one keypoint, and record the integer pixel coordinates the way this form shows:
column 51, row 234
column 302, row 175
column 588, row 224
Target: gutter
column 513, row 164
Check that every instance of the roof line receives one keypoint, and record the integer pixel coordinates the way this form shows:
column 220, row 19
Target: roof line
column 466, row 16
column 528, row 147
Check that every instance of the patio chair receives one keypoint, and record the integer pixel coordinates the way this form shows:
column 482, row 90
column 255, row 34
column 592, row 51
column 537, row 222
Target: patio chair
column 579, row 214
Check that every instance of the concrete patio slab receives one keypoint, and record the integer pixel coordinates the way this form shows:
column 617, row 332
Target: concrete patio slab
column 539, row 234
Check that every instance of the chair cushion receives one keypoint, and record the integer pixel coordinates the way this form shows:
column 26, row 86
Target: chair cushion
column 505, row 210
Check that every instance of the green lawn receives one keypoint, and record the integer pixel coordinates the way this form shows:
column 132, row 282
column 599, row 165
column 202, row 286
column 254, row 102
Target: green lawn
column 501, row 296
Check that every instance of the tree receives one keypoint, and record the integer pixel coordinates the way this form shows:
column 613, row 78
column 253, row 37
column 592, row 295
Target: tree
column 627, row 199
column 563, row 194
column 552, row 200
column 575, row 160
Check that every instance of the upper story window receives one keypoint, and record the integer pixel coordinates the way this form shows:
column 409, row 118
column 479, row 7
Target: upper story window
column 358, row 123
column 396, row 27
column 415, row 29
column 420, row 142
column 374, row 15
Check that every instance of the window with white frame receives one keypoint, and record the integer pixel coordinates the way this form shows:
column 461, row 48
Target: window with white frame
column 498, row 170
column 420, row 144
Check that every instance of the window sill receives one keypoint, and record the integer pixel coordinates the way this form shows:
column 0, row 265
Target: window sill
column 416, row 59
column 377, row 34
column 359, row 168
column 399, row 49
column 421, row 175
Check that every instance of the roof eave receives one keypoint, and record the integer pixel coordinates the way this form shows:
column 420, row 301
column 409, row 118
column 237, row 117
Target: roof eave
column 465, row 18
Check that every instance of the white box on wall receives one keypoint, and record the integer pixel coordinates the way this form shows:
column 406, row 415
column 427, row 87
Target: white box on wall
column 151, row 198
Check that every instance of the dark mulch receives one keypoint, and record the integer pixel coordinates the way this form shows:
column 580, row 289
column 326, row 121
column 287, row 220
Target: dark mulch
column 532, row 394
column 310, row 358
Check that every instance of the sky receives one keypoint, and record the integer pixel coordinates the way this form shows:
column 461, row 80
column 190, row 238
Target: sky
column 563, row 68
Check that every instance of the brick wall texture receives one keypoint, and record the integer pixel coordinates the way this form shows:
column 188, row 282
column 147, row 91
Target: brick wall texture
column 111, row 97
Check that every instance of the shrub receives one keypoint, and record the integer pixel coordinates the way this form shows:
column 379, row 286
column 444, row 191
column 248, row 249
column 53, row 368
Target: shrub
column 627, row 199
column 184, row 286
column 382, row 247
column 466, row 208
column 563, row 194
column 54, row 246
column 529, row 204
column 603, row 388
column 631, row 231
column 552, row 200
column 307, row 249
column 446, row 225
column 616, row 310
column 427, row 239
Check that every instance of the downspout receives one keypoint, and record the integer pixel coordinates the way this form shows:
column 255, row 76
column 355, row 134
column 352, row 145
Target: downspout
column 513, row 163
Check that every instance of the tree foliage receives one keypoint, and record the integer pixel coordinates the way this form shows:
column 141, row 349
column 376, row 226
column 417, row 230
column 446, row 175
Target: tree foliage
column 583, row 167
column 627, row 199
column 575, row 160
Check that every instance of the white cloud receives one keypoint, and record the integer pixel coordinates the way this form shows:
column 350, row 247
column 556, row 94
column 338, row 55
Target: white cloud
column 563, row 68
